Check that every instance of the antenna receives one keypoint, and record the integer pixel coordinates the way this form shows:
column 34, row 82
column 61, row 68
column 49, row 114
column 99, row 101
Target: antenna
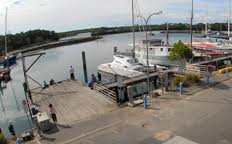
column 191, row 26
column 6, row 32
column 229, row 19
column 206, row 18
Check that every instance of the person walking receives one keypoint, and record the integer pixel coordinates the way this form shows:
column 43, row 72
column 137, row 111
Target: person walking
column 71, row 72
column 52, row 112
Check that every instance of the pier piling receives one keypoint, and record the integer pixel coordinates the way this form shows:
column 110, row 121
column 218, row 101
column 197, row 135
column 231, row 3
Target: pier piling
column 84, row 67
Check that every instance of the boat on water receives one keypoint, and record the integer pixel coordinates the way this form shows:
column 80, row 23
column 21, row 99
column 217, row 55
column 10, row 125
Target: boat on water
column 5, row 75
column 8, row 61
column 158, row 53
column 218, row 43
column 123, row 67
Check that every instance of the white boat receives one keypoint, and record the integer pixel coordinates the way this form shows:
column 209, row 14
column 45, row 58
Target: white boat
column 123, row 66
column 157, row 52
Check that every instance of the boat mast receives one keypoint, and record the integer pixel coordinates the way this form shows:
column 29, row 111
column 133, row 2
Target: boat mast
column 133, row 29
column 206, row 17
column 6, row 32
column 191, row 27
column 229, row 19
column 167, row 35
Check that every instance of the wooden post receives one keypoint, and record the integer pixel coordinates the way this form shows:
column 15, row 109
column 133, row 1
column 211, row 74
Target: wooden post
column 84, row 67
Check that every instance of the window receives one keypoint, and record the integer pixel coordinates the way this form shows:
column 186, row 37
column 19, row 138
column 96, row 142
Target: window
column 161, row 49
column 169, row 49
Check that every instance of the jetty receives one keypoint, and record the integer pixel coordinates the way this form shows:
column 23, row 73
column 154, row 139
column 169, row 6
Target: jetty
column 73, row 101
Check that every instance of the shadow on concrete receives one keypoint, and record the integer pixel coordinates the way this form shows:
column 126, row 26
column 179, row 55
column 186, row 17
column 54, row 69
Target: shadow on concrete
column 63, row 126
column 44, row 138
column 53, row 130
column 152, row 108
column 220, row 85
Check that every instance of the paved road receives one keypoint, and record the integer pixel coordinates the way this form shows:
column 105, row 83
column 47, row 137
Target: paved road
column 204, row 118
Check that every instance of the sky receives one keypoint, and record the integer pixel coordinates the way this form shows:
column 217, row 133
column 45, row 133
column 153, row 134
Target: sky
column 66, row 15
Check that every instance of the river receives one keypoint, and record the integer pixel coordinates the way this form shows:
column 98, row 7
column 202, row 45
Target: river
column 55, row 64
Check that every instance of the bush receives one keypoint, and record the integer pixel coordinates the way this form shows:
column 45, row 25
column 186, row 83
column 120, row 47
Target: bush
column 179, row 79
column 192, row 78
column 186, row 80
column 2, row 139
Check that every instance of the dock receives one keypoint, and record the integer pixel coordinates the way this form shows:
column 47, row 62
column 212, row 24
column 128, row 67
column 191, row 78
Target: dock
column 214, row 60
column 139, row 78
column 72, row 101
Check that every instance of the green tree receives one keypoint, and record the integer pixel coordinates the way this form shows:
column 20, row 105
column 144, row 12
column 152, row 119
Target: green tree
column 180, row 52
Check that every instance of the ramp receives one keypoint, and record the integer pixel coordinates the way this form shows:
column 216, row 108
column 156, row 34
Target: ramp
column 72, row 101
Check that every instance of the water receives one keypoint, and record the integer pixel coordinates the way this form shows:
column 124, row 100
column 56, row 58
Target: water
column 55, row 64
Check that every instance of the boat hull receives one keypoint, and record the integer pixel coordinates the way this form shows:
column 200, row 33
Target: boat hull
column 9, row 62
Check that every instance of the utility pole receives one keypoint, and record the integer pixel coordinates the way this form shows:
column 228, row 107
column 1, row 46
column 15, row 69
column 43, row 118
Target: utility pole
column 146, row 21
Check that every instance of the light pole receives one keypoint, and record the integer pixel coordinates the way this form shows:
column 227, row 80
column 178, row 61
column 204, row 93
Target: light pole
column 146, row 31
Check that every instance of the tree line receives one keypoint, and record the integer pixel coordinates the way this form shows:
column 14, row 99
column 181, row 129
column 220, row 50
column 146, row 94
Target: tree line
column 26, row 39
column 33, row 37
column 172, row 26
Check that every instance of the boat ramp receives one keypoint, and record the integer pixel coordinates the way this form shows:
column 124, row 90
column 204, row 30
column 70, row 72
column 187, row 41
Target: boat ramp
column 72, row 101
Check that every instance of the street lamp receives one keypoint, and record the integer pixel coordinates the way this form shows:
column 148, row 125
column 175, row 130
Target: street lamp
column 146, row 31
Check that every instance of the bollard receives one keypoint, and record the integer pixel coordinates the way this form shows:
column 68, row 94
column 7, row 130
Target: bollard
column 145, row 101
column 227, row 72
column 181, row 88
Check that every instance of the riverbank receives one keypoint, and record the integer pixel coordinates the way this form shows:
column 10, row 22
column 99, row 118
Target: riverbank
column 55, row 44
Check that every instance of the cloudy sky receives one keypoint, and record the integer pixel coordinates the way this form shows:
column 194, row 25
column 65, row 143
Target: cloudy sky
column 65, row 15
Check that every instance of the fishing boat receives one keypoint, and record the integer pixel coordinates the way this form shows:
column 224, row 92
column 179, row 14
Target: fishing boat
column 158, row 53
column 121, row 66
column 6, row 60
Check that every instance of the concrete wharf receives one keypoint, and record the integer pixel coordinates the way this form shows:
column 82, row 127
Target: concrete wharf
column 72, row 101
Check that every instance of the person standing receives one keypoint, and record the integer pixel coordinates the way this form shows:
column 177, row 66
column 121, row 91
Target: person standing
column 99, row 77
column 71, row 72
column 53, row 113
column 94, row 79
column 11, row 129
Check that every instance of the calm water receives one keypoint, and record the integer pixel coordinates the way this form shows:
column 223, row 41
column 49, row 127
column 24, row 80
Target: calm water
column 55, row 64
